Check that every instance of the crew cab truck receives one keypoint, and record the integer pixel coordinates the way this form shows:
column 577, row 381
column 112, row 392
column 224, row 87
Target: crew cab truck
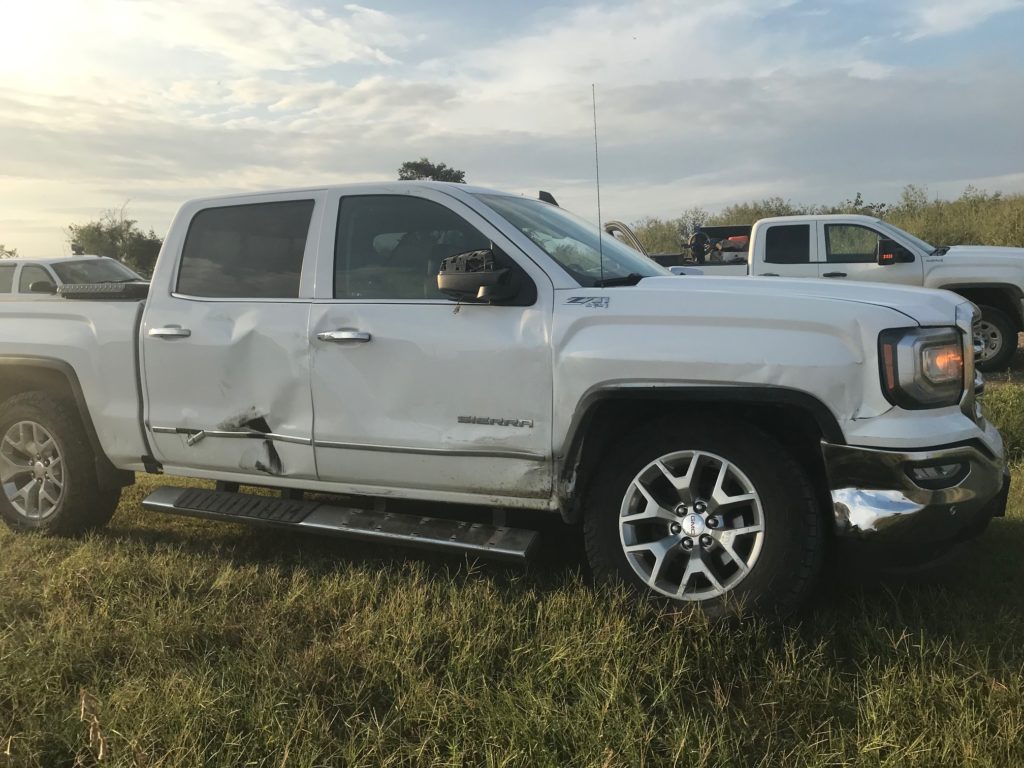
column 711, row 438
column 864, row 248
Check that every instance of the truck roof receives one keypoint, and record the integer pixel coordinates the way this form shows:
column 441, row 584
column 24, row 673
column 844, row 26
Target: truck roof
column 363, row 187
column 852, row 218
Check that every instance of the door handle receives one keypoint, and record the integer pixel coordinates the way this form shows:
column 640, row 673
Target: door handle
column 359, row 337
column 834, row 274
column 170, row 332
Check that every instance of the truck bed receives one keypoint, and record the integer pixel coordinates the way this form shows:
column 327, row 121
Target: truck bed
column 98, row 341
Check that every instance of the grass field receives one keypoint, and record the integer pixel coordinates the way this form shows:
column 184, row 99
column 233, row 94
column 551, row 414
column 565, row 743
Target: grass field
column 166, row 641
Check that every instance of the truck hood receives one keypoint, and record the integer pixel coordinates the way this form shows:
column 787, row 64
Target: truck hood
column 982, row 254
column 922, row 305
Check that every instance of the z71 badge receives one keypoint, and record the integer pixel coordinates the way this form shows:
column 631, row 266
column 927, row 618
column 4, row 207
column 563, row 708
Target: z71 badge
column 595, row 302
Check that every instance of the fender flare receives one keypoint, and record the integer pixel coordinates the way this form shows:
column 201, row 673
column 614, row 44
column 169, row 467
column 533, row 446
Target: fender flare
column 108, row 475
column 1013, row 292
column 568, row 462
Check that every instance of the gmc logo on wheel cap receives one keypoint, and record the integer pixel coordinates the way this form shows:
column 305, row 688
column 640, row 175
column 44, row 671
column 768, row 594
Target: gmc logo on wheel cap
column 693, row 525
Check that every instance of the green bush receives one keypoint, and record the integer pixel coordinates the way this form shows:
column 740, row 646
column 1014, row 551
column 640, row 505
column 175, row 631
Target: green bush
column 1004, row 407
column 976, row 217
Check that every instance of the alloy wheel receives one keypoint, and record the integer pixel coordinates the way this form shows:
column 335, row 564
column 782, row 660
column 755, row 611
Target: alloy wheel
column 691, row 525
column 31, row 470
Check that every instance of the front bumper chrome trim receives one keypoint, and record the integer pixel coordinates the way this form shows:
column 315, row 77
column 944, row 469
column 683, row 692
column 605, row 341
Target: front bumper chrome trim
column 874, row 497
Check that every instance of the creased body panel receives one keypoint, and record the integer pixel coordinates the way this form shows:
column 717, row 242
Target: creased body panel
column 439, row 399
column 243, row 369
column 97, row 340
column 699, row 337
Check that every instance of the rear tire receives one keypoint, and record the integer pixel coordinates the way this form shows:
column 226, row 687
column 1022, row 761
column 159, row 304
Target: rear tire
column 999, row 335
column 48, row 468
column 761, row 552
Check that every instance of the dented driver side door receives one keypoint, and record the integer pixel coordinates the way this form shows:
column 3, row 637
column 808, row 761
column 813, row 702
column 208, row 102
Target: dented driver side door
column 224, row 341
column 412, row 390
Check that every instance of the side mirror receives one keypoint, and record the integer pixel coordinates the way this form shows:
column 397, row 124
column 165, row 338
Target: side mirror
column 891, row 252
column 475, row 276
column 42, row 286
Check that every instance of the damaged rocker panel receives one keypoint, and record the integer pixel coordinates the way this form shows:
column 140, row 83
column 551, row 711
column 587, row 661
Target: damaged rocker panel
column 195, row 435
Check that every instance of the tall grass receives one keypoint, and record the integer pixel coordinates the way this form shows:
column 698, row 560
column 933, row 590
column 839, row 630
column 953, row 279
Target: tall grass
column 173, row 642
column 165, row 641
column 1004, row 407
column 976, row 217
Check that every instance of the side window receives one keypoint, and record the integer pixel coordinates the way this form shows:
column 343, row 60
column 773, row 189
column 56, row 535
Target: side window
column 788, row 244
column 851, row 244
column 33, row 273
column 391, row 246
column 7, row 277
column 246, row 251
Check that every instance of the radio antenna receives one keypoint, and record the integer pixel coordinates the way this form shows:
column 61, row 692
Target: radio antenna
column 597, row 179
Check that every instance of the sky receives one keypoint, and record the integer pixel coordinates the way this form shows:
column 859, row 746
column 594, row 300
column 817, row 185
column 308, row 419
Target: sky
column 699, row 102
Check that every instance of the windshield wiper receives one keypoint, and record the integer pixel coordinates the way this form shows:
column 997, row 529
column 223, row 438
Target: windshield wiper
column 631, row 279
column 940, row 251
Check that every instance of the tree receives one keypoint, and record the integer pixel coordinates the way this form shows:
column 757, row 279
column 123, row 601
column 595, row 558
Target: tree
column 691, row 220
column 8, row 253
column 669, row 235
column 857, row 205
column 748, row 213
column 411, row 170
column 913, row 199
column 119, row 237
column 657, row 235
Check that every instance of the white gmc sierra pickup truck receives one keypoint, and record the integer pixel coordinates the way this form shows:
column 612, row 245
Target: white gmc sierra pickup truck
column 853, row 247
column 713, row 438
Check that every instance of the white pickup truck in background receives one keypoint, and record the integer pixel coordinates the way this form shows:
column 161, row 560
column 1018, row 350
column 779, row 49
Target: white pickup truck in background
column 852, row 247
column 25, row 276
column 710, row 439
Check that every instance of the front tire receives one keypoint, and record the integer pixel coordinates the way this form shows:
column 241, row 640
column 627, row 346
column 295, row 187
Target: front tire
column 998, row 334
column 48, row 469
column 705, row 512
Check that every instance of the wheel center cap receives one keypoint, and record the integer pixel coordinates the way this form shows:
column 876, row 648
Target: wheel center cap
column 693, row 525
column 39, row 470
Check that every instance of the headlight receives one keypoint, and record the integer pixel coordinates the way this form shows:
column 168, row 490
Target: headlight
column 922, row 367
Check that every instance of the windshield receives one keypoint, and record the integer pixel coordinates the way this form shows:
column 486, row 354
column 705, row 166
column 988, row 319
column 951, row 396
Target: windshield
column 93, row 271
column 926, row 247
column 573, row 242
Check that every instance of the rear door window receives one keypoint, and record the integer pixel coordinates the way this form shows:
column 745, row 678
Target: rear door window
column 788, row 244
column 33, row 273
column 7, row 277
column 246, row 251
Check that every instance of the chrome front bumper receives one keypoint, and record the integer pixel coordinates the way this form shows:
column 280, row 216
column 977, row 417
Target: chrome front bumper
column 875, row 497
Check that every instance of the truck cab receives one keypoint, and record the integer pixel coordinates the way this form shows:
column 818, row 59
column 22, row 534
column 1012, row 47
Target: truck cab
column 836, row 247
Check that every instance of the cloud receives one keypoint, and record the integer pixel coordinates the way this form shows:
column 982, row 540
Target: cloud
column 52, row 45
column 267, row 34
column 699, row 104
column 932, row 18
